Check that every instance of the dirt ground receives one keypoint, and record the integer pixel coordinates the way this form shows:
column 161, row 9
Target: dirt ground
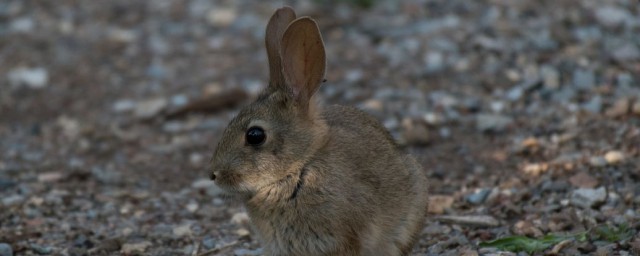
column 524, row 114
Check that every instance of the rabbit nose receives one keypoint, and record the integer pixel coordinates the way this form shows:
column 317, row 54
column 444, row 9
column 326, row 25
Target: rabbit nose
column 212, row 176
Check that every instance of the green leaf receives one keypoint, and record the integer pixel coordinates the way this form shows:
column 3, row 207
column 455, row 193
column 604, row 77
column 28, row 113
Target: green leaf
column 614, row 234
column 523, row 243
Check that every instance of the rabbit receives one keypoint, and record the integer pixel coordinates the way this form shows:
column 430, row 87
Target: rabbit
column 317, row 180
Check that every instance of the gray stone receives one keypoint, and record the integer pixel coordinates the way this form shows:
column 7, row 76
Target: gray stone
column 627, row 52
column 5, row 250
column 588, row 198
column 140, row 247
column 208, row 243
column 41, row 249
column 6, row 183
column 150, row 108
column 584, row 79
column 492, row 122
column 479, row 196
column 35, row 78
column 12, row 200
column 247, row 252
column 624, row 80
column 594, row 105
column 611, row 16
column 123, row 105
column 597, row 161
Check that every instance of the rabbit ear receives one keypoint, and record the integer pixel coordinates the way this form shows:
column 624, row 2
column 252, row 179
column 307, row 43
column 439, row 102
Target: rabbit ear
column 275, row 28
column 303, row 59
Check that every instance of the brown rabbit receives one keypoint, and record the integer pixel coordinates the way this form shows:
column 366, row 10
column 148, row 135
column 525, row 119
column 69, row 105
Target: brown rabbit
column 317, row 181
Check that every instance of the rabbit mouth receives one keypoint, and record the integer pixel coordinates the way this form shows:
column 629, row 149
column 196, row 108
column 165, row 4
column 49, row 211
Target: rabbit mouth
column 232, row 184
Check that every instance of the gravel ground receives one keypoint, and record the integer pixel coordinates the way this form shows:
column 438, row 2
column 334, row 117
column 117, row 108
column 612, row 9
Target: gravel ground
column 524, row 114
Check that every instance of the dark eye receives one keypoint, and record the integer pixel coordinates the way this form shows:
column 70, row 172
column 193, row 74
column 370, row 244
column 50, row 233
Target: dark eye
column 255, row 136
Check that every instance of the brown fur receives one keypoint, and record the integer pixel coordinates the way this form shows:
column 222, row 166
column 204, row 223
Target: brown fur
column 326, row 181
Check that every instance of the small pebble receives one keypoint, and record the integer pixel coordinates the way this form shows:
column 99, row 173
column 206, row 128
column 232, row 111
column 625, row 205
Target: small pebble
column 588, row 198
column 492, row 122
column 614, row 157
column 123, row 105
column 597, row 161
column 479, row 196
column 5, row 250
column 247, row 252
column 41, row 249
column 150, row 108
column 240, row 218
column 208, row 243
column 131, row 248
column 35, row 78
column 183, row 230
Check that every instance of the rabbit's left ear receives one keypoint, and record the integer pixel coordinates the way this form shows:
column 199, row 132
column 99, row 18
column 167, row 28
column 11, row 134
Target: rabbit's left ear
column 303, row 59
column 273, row 36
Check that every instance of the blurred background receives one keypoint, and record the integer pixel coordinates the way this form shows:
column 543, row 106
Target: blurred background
column 523, row 113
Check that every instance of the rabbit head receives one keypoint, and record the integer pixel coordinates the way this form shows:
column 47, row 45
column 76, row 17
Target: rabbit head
column 268, row 142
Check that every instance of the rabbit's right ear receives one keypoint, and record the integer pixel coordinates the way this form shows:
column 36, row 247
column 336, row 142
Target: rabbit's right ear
column 303, row 59
column 275, row 28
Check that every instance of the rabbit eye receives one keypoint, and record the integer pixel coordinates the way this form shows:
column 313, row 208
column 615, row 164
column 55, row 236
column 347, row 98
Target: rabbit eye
column 255, row 136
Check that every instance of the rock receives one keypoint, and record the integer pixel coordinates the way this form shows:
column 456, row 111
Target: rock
column 434, row 61
column 526, row 228
column 179, row 100
column 588, row 198
column 5, row 250
column 12, row 200
column 635, row 109
column 584, row 79
column 131, row 248
column 41, row 249
column 106, row 176
column 627, row 52
column 196, row 159
column 550, row 77
column 479, row 196
column 35, row 78
column 620, row 108
column 477, row 220
column 150, row 108
column 611, row 16
column 123, row 105
column 71, row 128
column 208, row 243
column 535, row 169
column 439, row 203
column 183, row 230
column 121, row 35
column 192, row 207
column 597, row 161
column 492, row 122
column 515, row 93
column 594, row 105
column 247, row 252
column 221, row 17
column 240, row 218
column 6, row 183
column 583, row 180
column 49, row 177
column 415, row 133
column 22, row 25
column 614, row 157
column 243, row 232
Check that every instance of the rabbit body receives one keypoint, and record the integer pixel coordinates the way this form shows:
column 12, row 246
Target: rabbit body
column 321, row 181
